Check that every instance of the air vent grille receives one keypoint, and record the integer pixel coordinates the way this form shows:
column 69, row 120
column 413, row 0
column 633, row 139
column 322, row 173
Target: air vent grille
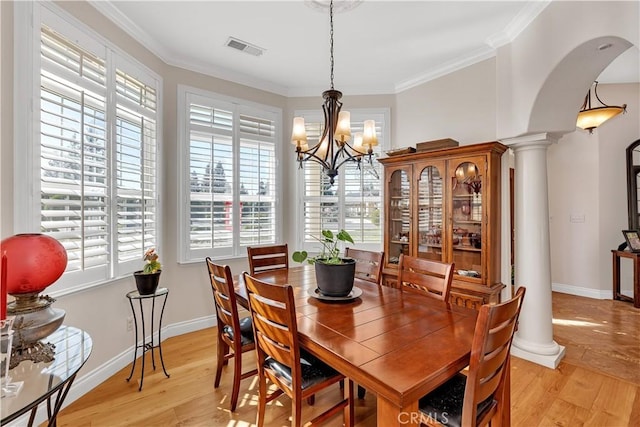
column 245, row 47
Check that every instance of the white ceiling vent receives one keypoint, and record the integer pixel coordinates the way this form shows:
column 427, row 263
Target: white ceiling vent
column 244, row 46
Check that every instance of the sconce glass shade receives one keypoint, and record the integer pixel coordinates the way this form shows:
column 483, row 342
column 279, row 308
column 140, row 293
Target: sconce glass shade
column 591, row 119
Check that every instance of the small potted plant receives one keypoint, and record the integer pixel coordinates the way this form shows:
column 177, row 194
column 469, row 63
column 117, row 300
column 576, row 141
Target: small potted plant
column 148, row 278
column 334, row 274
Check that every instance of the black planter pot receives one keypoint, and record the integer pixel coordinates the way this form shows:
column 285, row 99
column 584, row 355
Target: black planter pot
column 147, row 283
column 335, row 280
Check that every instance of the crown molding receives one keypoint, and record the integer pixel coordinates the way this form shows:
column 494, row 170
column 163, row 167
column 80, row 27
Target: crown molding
column 513, row 29
column 107, row 8
column 459, row 63
column 517, row 24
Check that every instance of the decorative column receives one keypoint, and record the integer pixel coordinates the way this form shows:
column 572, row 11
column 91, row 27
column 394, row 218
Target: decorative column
column 534, row 339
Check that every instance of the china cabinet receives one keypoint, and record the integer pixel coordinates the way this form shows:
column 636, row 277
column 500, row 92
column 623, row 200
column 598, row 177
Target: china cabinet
column 444, row 205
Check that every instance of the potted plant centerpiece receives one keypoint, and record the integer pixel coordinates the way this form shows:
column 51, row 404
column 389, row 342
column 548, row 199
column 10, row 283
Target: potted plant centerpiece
column 334, row 274
column 148, row 278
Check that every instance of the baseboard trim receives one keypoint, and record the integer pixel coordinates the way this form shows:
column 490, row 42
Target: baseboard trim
column 582, row 292
column 89, row 381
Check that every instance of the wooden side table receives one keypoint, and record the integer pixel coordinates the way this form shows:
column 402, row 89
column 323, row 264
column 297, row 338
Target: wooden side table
column 635, row 256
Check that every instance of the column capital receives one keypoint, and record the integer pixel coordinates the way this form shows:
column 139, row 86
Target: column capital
column 543, row 139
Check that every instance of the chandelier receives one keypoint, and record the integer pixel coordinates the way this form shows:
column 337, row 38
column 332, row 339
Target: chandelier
column 333, row 148
column 590, row 118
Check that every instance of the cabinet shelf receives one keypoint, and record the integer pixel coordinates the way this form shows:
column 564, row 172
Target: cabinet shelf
column 466, row 248
column 399, row 242
column 430, row 245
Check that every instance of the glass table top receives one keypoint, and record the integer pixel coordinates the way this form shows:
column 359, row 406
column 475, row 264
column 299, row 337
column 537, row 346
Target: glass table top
column 40, row 380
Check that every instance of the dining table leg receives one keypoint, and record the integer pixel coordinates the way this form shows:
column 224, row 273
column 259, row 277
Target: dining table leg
column 390, row 414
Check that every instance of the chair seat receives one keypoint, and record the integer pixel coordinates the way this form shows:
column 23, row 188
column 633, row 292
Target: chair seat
column 246, row 330
column 444, row 404
column 314, row 371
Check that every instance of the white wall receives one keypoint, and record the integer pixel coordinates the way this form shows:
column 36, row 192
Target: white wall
column 587, row 177
column 461, row 106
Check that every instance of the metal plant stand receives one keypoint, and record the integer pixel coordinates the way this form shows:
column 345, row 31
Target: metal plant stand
column 148, row 343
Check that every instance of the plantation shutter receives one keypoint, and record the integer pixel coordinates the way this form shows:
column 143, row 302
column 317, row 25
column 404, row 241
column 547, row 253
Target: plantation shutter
column 257, row 178
column 353, row 202
column 362, row 196
column 136, row 167
column 232, row 174
column 73, row 151
column 211, row 172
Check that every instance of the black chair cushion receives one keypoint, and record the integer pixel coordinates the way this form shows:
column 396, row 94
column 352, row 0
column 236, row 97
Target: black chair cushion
column 314, row 370
column 246, row 330
column 444, row 404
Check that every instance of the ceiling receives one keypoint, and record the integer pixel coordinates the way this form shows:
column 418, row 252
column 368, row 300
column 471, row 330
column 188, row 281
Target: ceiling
column 380, row 47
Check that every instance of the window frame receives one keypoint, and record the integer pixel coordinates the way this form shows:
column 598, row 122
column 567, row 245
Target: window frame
column 187, row 255
column 384, row 139
column 28, row 20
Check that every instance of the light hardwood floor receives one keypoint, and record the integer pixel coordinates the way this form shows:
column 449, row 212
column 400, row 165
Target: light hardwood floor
column 597, row 383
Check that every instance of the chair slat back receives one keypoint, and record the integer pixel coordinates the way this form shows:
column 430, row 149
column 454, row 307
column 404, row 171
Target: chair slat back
column 224, row 296
column 432, row 278
column 272, row 309
column 368, row 264
column 266, row 258
column 492, row 339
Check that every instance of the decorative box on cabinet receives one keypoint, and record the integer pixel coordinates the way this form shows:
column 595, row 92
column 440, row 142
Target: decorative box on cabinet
column 445, row 205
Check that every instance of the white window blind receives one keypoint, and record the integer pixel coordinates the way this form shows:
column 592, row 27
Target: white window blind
column 354, row 202
column 136, row 167
column 95, row 145
column 73, row 151
column 232, row 179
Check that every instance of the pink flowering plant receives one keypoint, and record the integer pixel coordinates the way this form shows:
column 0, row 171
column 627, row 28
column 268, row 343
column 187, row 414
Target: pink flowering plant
column 152, row 265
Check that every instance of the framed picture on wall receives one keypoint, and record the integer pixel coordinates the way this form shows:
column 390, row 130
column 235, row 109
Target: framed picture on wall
column 633, row 239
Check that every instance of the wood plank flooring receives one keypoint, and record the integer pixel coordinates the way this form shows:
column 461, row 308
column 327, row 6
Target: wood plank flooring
column 597, row 383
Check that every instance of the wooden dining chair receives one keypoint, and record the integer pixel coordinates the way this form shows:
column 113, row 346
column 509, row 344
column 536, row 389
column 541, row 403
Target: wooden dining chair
column 281, row 360
column 267, row 258
column 476, row 399
column 368, row 264
column 432, row 278
column 235, row 335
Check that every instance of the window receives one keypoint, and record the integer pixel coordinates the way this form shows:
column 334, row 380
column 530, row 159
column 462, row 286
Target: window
column 230, row 178
column 95, row 147
column 354, row 202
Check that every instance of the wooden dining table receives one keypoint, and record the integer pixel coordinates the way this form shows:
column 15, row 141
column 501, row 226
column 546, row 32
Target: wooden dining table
column 399, row 345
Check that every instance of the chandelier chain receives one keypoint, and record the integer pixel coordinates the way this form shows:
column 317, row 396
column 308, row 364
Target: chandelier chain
column 331, row 39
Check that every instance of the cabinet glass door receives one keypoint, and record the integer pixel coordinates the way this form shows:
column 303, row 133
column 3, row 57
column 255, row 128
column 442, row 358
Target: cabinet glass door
column 399, row 215
column 467, row 214
column 430, row 186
